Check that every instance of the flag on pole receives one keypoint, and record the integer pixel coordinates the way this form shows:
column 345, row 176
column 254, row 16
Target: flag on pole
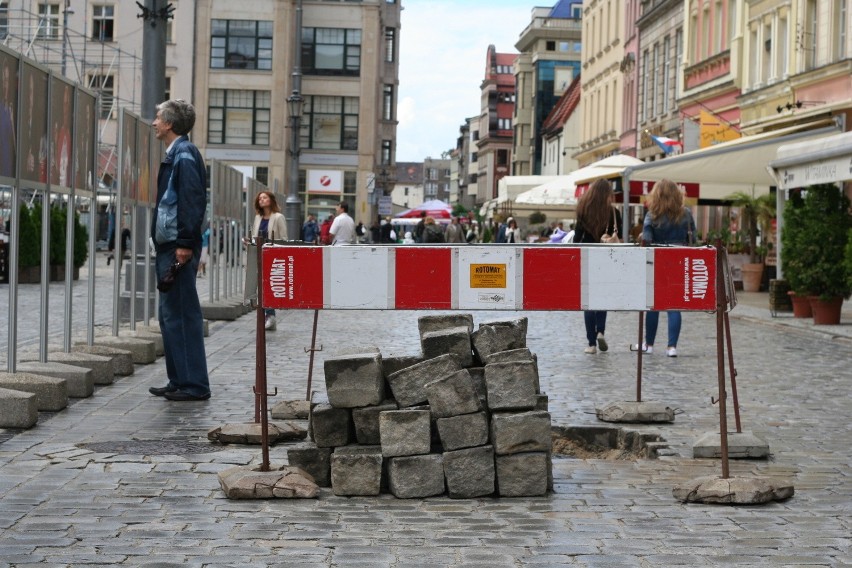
column 667, row 144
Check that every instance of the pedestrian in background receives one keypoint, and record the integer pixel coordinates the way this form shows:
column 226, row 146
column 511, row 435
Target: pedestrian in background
column 176, row 233
column 596, row 217
column 454, row 232
column 667, row 222
column 270, row 224
column 205, row 252
column 513, row 233
column 325, row 230
column 310, row 230
column 421, row 226
column 342, row 229
column 432, row 232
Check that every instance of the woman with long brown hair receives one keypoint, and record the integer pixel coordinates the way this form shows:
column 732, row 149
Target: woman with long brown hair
column 596, row 217
column 269, row 223
column 666, row 222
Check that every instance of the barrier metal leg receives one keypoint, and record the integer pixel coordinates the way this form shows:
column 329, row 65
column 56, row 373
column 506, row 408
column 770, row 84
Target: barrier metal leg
column 721, row 301
column 260, row 394
column 639, row 357
column 732, row 370
column 312, row 350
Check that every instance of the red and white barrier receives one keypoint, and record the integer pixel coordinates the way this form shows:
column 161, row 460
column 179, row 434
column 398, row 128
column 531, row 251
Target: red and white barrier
column 465, row 277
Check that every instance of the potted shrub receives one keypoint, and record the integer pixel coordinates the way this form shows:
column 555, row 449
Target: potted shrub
column 756, row 214
column 57, row 243
column 814, row 242
column 29, row 248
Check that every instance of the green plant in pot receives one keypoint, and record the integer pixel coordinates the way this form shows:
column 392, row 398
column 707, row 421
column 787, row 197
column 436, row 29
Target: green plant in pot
column 814, row 238
column 29, row 247
column 756, row 214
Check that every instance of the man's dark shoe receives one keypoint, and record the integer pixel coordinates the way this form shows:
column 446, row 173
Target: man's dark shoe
column 161, row 391
column 181, row 396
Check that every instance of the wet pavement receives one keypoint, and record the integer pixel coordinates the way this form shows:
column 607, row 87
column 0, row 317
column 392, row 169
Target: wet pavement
column 66, row 505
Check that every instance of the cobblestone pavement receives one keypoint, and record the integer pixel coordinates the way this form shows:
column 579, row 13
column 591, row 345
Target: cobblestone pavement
column 63, row 505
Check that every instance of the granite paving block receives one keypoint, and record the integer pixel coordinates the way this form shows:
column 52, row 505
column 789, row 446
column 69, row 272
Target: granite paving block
column 409, row 384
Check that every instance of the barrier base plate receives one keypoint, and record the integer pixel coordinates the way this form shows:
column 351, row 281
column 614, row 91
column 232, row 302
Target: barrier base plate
column 741, row 445
column 732, row 490
column 636, row 412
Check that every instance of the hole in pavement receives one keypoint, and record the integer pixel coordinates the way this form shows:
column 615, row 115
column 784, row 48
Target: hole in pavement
column 607, row 443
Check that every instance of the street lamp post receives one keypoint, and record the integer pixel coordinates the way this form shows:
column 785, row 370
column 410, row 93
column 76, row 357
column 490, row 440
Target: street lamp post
column 293, row 205
column 295, row 102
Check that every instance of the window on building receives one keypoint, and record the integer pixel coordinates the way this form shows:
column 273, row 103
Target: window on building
column 390, row 45
column 104, row 85
column 331, row 51
column 387, row 152
column 783, row 56
column 504, row 124
column 261, row 174
column 4, row 19
column 667, row 72
column 170, row 38
column 643, row 108
column 387, row 102
column 241, row 44
column 754, row 38
column 678, row 61
column 766, row 59
column 238, row 116
column 330, row 123
column 810, row 39
column 474, row 157
column 168, row 94
column 656, row 107
column 502, row 157
column 550, row 45
column 103, row 18
column 719, row 42
column 841, row 13
column 48, row 21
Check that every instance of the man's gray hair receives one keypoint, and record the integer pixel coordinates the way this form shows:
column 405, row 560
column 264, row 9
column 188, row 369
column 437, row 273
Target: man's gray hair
column 179, row 113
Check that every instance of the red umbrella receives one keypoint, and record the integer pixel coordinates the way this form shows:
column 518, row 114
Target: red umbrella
column 434, row 208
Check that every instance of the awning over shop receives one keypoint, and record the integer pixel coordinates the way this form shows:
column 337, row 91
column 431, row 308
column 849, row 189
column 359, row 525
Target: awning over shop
column 827, row 160
column 722, row 169
column 509, row 187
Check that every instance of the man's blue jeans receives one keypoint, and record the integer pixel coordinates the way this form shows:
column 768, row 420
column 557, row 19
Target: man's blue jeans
column 652, row 320
column 182, row 327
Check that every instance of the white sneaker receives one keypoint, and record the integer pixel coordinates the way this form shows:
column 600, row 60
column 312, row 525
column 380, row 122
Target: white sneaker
column 270, row 323
column 645, row 348
column 591, row 350
column 602, row 342
column 671, row 352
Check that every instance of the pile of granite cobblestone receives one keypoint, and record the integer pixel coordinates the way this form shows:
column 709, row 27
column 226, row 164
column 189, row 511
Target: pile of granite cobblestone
column 466, row 417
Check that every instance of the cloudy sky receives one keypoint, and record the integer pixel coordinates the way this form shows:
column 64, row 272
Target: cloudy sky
column 443, row 44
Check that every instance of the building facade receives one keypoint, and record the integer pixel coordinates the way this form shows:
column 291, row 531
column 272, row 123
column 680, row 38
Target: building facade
column 660, row 53
column 497, row 103
column 602, row 80
column 349, row 66
column 548, row 61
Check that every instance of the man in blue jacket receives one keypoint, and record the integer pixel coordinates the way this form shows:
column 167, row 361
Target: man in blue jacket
column 176, row 231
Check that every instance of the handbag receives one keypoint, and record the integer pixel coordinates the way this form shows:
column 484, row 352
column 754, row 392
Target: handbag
column 612, row 239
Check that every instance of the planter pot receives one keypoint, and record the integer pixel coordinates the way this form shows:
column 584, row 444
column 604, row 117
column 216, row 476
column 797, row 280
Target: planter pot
column 826, row 312
column 57, row 272
column 752, row 276
column 801, row 306
column 29, row 274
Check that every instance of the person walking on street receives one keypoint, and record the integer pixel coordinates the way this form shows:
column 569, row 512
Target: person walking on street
column 325, row 231
column 343, row 227
column 666, row 222
column 454, row 232
column 269, row 224
column 176, row 233
column 310, row 230
column 421, row 226
column 596, row 217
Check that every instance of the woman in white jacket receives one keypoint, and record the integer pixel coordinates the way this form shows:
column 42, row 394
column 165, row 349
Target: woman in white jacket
column 270, row 224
